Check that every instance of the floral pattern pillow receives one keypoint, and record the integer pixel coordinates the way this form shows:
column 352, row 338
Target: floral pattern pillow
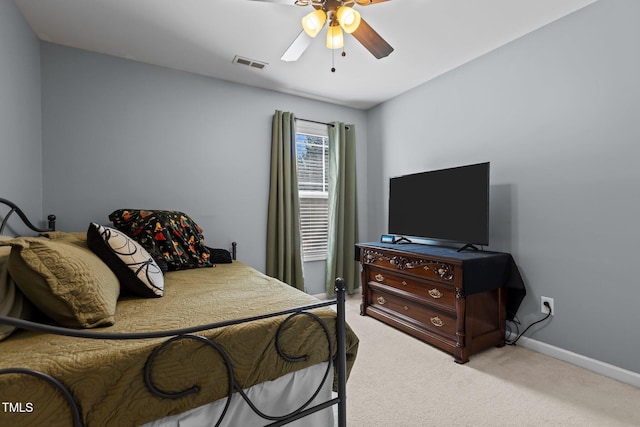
column 171, row 235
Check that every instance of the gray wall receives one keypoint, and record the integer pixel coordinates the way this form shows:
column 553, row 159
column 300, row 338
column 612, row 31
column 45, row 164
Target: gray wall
column 557, row 115
column 20, row 137
column 122, row 134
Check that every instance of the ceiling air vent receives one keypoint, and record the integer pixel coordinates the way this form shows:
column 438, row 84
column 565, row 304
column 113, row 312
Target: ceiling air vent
column 249, row 62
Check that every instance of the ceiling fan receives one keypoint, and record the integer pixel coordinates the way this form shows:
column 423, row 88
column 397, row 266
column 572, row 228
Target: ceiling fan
column 340, row 15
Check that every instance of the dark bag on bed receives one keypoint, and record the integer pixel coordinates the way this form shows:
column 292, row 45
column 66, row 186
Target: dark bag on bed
column 220, row 256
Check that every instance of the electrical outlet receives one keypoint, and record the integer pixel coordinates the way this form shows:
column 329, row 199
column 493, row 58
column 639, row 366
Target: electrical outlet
column 544, row 309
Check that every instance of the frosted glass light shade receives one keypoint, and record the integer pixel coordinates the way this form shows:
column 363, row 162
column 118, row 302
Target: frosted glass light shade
column 335, row 39
column 348, row 18
column 313, row 22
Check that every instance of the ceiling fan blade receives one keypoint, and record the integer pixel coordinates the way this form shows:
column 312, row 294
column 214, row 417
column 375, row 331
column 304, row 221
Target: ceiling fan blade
column 374, row 43
column 297, row 48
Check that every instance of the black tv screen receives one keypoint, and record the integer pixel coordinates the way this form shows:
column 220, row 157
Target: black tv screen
column 448, row 204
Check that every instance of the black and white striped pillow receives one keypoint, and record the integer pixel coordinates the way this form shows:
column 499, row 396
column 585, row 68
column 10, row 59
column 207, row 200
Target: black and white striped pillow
column 134, row 267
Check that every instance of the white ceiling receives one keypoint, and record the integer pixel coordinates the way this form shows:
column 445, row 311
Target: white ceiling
column 430, row 37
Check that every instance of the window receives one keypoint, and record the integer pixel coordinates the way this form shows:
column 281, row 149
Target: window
column 312, row 147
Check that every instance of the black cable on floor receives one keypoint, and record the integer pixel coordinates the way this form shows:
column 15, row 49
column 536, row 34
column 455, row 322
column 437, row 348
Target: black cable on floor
column 527, row 328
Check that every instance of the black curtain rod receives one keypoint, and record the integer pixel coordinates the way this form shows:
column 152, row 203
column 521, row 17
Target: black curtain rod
column 315, row 121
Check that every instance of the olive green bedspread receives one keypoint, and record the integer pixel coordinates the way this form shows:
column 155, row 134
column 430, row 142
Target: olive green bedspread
column 106, row 377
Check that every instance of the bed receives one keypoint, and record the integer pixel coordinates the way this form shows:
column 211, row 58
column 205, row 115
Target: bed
column 223, row 345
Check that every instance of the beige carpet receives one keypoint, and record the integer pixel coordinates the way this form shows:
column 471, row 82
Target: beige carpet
column 398, row 381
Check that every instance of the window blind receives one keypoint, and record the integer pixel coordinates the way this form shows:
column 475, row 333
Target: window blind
column 312, row 147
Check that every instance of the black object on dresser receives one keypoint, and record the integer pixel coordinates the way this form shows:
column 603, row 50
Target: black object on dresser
column 456, row 301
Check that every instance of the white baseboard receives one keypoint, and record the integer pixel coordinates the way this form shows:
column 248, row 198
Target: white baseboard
column 611, row 371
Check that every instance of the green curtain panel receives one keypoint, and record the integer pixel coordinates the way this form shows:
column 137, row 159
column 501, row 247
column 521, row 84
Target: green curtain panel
column 343, row 210
column 284, row 246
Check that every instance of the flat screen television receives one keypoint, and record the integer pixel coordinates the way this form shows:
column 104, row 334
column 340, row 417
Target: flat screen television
column 450, row 205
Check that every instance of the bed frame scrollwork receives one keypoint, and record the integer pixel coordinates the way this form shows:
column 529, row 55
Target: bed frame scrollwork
column 339, row 363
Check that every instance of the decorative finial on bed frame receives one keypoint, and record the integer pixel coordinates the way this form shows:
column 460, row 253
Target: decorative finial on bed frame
column 23, row 217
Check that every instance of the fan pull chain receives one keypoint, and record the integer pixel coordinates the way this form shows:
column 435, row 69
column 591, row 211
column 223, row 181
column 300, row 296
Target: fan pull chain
column 333, row 61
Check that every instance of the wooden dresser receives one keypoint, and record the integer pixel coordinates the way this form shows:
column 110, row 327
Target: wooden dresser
column 452, row 300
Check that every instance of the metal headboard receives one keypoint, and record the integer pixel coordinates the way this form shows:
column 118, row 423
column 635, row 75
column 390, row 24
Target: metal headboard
column 23, row 217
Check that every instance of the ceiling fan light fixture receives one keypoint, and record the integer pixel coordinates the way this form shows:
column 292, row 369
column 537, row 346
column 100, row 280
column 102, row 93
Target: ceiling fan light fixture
column 348, row 18
column 335, row 38
column 313, row 22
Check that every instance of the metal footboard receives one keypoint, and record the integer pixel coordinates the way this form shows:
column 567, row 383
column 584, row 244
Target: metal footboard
column 234, row 389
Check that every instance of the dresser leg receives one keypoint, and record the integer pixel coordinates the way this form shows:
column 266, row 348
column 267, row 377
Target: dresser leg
column 460, row 356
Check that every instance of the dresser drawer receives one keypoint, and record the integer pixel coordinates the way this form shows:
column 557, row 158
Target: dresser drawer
column 426, row 317
column 428, row 268
column 430, row 291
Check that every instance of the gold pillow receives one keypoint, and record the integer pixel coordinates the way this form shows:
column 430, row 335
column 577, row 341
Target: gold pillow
column 65, row 280
column 12, row 303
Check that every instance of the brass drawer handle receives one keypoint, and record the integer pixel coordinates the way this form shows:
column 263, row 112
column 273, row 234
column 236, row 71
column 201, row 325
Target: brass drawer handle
column 379, row 277
column 381, row 300
column 434, row 293
column 404, row 283
column 436, row 321
column 406, row 308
